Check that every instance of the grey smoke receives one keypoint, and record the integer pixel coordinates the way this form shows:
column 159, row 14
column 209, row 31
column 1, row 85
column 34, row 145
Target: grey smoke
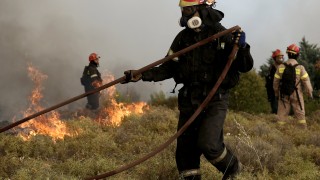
column 57, row 37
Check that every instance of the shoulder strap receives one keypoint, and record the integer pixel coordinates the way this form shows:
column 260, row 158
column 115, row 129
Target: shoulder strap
column 296, row 89
column 300, row 75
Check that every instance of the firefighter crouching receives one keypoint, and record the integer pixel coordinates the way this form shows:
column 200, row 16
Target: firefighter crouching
column 91, row 79
column 296, row 98
column 198, row 70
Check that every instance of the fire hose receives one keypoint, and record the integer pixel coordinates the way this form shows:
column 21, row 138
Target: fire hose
column 185, row 126
column 119, row 80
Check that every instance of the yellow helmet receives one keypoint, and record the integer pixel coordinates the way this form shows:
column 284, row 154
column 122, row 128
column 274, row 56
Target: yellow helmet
column 185, row 3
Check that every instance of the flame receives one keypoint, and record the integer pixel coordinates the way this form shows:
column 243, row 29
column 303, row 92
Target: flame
column 111, row 113
column 114, row 112
column 47, row 124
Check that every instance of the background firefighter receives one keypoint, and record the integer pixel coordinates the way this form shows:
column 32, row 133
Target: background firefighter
column 198, row 71
column 295, row 100
column 91, row 79
column 277, row 56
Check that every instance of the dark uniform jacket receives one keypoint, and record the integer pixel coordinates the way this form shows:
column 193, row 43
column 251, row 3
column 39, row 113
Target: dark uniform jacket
column 269, row 82
column 198, row 70
column 202, row 66
column 89, row 75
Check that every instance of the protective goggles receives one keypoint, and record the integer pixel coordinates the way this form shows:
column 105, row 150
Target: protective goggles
column 191, row 10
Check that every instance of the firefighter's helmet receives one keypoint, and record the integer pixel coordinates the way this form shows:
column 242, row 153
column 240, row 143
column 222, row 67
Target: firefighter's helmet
column 276, row 53
column 294, row 49
column 185, row 3
column 93, row 56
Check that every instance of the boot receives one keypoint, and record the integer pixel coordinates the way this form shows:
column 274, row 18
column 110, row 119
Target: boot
column 196, row 177
column 229, row 166
column 193, row 174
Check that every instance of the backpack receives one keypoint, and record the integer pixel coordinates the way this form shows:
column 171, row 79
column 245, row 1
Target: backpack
column 288, row 81
column 85, row 80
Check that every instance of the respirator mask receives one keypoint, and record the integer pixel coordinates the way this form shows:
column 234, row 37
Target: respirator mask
column 190, row 17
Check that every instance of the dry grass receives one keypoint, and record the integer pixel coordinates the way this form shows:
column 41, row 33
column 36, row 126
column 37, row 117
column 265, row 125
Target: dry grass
column 266, row 151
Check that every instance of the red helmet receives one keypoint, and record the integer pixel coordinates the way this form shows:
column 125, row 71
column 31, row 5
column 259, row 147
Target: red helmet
column 93, row 56
column 294, row 49
column 185, row 3
column 276, row 53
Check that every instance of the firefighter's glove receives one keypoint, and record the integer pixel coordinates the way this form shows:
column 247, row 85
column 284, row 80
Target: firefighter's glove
column 96, row 84
column 239, row 38
column 130, row 77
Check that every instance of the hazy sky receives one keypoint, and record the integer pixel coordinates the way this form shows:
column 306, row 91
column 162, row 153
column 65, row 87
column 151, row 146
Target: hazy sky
column 58, row 35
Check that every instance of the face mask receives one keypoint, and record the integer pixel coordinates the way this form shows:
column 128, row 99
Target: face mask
column 192, row 23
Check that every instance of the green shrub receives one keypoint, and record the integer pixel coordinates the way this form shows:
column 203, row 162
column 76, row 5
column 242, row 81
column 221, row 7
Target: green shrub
column 311, row 106
column 250, row 94
column 294, row 167
column 160, row 99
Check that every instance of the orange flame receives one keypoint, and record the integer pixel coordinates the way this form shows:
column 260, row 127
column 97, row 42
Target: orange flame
column 114, row 112
column 50, row 124
column 47, row 124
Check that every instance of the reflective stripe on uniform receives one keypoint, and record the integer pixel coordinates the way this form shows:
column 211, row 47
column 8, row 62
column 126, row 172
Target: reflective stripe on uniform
column 281, row 123
column 190, row 172
column 306, row 75
column 277, row 76
column 302, row 121
column 170, row 53
column 281, row 69
column 223, row 155
column 94, row 75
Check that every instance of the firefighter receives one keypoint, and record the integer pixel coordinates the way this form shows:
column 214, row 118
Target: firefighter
column 295, row 100
column 91, row 79
column 198, row 71
column 277, row 57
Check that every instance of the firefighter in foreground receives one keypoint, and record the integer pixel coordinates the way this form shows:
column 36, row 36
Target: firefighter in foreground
column 198, row 71
column 277, row 56
column 91, row 79
column 288, row 88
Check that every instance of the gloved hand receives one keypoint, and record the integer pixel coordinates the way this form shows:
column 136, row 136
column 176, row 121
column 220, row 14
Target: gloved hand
column 96, row 84
column 130, row 77
column 239, row 38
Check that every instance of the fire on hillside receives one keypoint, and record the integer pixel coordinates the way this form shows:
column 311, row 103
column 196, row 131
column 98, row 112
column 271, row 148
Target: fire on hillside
column 50, row 124
column 113, row 113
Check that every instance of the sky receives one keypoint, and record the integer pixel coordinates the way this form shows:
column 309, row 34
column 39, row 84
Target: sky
column 57, row 36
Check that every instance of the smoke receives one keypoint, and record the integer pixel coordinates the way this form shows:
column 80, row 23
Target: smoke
column 57, row 37
column 33, row 32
